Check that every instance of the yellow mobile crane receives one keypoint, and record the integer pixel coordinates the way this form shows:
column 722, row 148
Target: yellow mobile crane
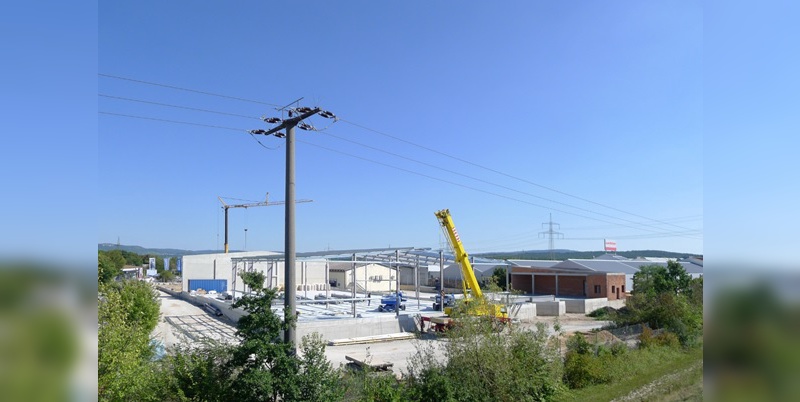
column 473, row 296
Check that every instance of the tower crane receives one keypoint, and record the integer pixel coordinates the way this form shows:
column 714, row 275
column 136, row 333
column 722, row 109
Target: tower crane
column 264, row 203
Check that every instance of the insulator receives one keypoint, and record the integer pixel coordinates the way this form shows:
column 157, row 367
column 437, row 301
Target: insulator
column 326, row 114
column 304, row 126
column 303, row 109
column 259, row 131
column 279, row 134
column 271, row 120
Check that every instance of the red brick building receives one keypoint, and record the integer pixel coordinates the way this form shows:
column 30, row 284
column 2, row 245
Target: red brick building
column 573, row 284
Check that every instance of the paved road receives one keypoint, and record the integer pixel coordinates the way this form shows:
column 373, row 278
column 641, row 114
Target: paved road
column 184, row 323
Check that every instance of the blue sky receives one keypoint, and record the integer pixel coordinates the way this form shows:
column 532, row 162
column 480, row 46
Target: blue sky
column 602, row 103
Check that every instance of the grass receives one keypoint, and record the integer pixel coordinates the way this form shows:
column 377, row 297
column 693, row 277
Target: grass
column 654, row 374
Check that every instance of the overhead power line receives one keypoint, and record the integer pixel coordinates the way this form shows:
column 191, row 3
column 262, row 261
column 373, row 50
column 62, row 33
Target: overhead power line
column 505, row 174
column 680, row 234
column 186, row 89
column 175, row 106
column 662, row 222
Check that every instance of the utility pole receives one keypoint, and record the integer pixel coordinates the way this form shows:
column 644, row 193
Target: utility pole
column 264, row 203
column 551, row 234
column 290, row 287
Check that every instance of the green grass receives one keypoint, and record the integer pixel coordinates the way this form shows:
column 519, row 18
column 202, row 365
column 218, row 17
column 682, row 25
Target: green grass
column 659, row 374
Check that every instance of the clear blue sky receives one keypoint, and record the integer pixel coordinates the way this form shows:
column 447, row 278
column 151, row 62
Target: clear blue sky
column 602, row 102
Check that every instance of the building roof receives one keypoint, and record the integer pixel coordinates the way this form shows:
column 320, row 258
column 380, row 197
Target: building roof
column 534, row 263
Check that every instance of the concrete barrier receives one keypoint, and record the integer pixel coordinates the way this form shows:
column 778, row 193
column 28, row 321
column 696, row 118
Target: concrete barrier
column 585, row 306
column 339, row 328
column 550, row 308
column 527, row 312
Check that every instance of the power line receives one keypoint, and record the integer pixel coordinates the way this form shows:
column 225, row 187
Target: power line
column 404, row 170
column 186, row 89
column 175, row 106
column 422, row 147
column 472, row 188
column 504, row 174
column 489, row 182
column 172, row 121
column 419, row 146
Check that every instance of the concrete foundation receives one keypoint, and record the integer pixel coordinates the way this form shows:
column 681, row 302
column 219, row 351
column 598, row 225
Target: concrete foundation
column 585, row 306
column 330, row 328
column 551, row 308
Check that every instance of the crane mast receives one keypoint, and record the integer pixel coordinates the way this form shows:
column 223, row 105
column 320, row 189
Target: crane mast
column 470, row 282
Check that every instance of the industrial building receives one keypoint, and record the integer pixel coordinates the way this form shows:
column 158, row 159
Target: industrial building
column 608, row 275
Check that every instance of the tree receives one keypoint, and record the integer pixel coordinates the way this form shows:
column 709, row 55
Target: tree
column 317, row 379
column 666, row 298
column 655, row 279
column 499, row 275
column 483, row 365
column 166, row 276
column 126, row 318
column 117, row 258
column 106, row 269
column 267, row 366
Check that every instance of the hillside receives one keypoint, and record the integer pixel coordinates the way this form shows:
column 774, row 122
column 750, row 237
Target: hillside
column 163, row 252
column 567, row 254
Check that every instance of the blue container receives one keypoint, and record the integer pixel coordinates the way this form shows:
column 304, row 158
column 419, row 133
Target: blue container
column 220, row 285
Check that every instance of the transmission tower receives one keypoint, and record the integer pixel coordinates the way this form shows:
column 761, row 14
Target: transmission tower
column 551, row 234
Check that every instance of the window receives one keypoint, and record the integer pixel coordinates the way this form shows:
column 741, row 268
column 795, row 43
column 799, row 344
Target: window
column 597, row 289
column 613, row 289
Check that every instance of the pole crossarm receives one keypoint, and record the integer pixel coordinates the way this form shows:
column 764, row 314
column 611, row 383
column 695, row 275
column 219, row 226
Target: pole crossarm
column 291, row 122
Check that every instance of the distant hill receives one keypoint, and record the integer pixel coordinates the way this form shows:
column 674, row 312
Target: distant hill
column 560, row 254
column 163, row 252
column 567, row 254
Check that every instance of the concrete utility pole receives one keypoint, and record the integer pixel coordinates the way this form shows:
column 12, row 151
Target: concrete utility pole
column 290, row 286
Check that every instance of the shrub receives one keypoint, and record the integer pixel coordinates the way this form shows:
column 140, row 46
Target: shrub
column 581, row 370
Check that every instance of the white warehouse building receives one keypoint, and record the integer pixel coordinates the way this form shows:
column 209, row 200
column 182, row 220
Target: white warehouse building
column 220, row 272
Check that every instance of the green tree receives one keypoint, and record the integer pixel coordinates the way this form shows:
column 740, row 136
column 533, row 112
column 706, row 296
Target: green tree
column 117, row 258
column 166, row 275
column 481, row 364
column 173, row 264
column 267, row 367
column 106, row 269
column 126, row 319
column 201, row 373
column 317, row 379
column 666, row 297
column 499, row 275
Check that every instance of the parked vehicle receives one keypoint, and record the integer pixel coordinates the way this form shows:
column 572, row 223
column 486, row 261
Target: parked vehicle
column 449, row 301
column 389, row 302
column 212, row 309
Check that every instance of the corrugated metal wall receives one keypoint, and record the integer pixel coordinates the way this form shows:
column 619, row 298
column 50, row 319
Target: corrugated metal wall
column 220, row 285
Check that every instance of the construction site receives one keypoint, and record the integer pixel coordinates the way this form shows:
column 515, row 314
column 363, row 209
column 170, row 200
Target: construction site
column 379, row 300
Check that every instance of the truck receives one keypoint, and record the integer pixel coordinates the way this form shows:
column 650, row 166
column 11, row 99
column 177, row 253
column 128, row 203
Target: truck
column 389, row 302
column 449, row 301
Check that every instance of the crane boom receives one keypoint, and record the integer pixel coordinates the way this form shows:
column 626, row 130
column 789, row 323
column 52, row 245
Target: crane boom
column 470, row 282
column 264, row 203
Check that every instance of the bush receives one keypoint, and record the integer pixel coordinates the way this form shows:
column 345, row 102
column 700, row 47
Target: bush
column 581, row 370
column 619, row 349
